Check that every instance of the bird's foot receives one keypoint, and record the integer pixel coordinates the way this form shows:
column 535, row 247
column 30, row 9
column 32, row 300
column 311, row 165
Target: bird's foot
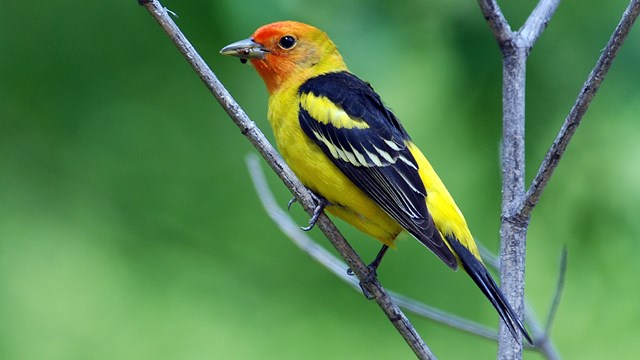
column 373, row 272
column 368, row 280
column 321, row 203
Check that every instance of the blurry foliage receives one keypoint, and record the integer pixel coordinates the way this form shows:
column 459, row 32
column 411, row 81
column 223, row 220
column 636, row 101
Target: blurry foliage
column 129, row 228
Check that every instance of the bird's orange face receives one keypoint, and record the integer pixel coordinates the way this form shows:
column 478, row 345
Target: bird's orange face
column 285, row 51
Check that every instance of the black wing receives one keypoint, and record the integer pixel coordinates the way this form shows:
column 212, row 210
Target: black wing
column 369, row 148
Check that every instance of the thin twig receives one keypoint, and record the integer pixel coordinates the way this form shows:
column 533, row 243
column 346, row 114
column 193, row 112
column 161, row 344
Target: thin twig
column 443, row 317
column 558, row 293
column 548, row 350
column 541, row 339
column 498, row 24
column 543, row 343
column 339, row 268
column 256, row 137
column 588, row 91
column 537, row 21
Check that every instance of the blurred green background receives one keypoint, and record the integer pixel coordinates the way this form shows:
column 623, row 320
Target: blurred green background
column 129, row 228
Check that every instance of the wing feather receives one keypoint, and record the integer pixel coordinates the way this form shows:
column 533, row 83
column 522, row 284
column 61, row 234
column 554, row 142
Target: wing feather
column 369, row 146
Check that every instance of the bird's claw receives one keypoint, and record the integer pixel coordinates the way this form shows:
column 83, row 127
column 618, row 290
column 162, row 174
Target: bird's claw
column 368, row 280
column 291, row 202
column 373, row 273
column 321, row 203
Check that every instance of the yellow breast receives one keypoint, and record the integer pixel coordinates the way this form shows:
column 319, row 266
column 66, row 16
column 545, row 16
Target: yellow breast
column 319, row 174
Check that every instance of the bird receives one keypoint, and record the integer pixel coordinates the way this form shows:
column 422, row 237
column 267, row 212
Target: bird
column 348, row 148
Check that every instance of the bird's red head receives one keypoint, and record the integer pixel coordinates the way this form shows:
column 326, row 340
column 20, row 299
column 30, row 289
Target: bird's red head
column 288, row 51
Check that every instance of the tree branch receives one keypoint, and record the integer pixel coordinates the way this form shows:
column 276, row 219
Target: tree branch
column 515, row 48
column 542, row 336
column 512, row 232
column 537, row 21
column 516, row 205
column 256, row 137
column 543, row 343
column 558, row 293
column 588, row 91
column 498, row 24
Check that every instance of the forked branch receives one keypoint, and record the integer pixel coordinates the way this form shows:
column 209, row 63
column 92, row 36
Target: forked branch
column 517, row 205
column 580, row 107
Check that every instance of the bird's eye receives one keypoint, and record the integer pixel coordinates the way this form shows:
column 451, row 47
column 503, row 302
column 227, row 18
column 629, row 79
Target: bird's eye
column 287, row 42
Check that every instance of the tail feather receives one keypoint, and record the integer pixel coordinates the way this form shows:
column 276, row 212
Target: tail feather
column 480, row 275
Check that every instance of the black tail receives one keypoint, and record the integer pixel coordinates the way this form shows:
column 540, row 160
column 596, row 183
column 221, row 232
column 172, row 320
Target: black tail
column 480, row 275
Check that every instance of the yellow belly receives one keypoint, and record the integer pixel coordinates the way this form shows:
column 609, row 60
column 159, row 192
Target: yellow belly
column 319, row 174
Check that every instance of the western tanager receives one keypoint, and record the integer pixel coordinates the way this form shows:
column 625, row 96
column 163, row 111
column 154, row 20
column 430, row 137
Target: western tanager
column 342, row 142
